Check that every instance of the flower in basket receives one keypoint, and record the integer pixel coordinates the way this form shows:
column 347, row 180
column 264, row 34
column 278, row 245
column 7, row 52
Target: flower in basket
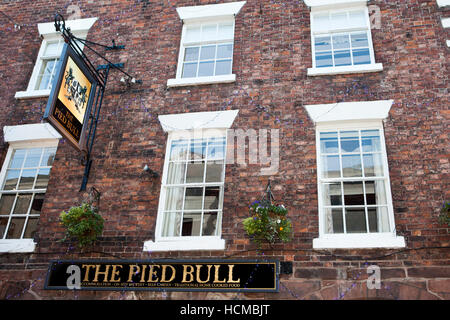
column 82, row 223
column 268, row 223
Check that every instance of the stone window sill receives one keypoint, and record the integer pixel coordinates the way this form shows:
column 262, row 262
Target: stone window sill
column 359, row 241
column 32, row 94
column 17, row 245
column 201, row 80
column 376, row 67
column 202, row 243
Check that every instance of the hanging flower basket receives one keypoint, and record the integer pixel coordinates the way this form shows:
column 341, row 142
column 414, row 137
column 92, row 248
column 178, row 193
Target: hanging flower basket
column 444, row 216
column 268, row 223
column 82, row 223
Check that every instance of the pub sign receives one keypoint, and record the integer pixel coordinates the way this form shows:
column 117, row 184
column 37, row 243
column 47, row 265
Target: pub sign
column 164, row 275
column 71, row 98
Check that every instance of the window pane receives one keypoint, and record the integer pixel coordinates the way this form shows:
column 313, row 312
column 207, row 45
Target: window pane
column 321, row 22
column 33, row 158
column 329, row 142
column 189, row 70
column 206, row 69
column 209, row 32
column 191, row 224
column 334, row 220
column 31, row 227
column 353, row 194
column 351, row 166
column 17, row 159
column 358, row 19
column 12, row 176
column 52, row 49
column 378, row 219
column 212, row 196
column 323, row 43
column 193, row 199
column 195, row 171
column 216, row 149
column 214, row 171
column 333, row 194
column 339, row 20
column 324, row 59
column 3, row 224
column 341, row 42
column 349, row 141
column 176, row 173
column 178, row 150
column 198, row 150
column 22, row 204
column 372, row 165
column 174, row 198
column 360, row 40
column 375, row 193
column 42, row 178
column 15, row 228
column 223, row 67
column 331, row 167
column 361, row 56
column 27, row 179
column 171, row 224
column 45, row 76
column 355, row 220
column 208, row 53
column 48, row 157
column 193, row 34
column 38, row 201
column 6, row 203
column 224, row 51
column 191, row 54
column 226, row 31
column 342, row 58
column 209, row 224
column 370, row 140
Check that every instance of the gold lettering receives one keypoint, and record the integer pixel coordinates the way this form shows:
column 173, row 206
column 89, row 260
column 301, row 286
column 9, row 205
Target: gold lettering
column 216, row 274
column 98, row 272
column 151, row 273
column 132, row 267
column 115, row 273
column 86, row 274
column 143, row 273
column 199, row 266
column 163, row 276
column 190, row 273
column 230, row 274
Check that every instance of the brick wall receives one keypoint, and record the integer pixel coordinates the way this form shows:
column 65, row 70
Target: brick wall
column 271, row 55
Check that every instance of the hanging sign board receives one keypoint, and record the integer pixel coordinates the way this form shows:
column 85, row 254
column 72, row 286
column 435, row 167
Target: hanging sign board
column 71, row 98
column 167, row 275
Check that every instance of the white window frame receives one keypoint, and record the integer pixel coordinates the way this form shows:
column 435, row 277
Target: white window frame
column 353, row 116
column 195, row 16
column 183, row 126
column 24, row 136
column 330, row 7
column 79, row 28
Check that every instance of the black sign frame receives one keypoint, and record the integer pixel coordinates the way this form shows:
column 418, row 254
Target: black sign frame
column 67, row 52
column 256, row 270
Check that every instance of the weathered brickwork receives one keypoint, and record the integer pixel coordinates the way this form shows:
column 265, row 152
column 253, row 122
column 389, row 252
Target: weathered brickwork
column 271, row 56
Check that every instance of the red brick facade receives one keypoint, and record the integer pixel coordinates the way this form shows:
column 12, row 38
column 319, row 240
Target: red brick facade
column 271, row 56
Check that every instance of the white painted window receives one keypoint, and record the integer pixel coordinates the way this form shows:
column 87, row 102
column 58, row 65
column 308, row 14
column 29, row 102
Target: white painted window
column 207, row 43
column 23, row 183
column 353, row 181
column 341, row 40
column 192, row 188
column 23, row 190
column 354, row 195
column 47, row 60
